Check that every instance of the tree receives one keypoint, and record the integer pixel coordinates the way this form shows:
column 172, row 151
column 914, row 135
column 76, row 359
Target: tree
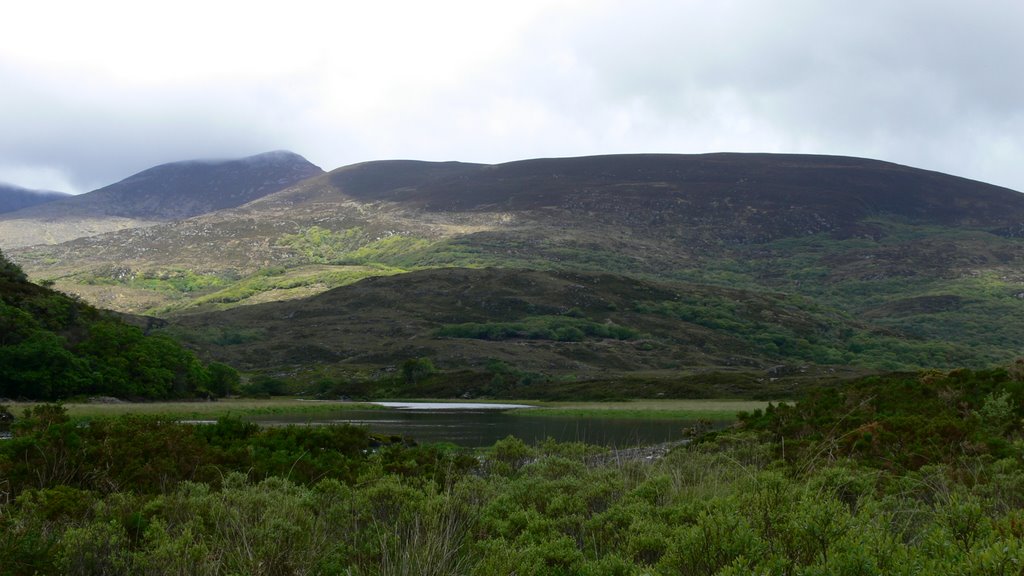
column 15, row 324
column 53, row 346
column 224, row 380
column 10, row 271
column 415, row 370
column 40, row 367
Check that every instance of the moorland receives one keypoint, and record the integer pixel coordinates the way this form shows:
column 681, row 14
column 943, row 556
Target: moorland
column 667, row 272
column 878, row 306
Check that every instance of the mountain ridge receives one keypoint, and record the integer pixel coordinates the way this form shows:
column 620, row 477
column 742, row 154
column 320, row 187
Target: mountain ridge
column 926, row 263
column 13, row 198
column 167, row 192
column 733, row 172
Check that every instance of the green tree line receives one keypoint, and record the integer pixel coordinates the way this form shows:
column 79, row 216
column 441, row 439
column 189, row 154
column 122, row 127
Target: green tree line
column 53, row 346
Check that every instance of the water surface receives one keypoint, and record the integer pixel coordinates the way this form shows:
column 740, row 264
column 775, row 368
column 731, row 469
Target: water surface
column 476, row 426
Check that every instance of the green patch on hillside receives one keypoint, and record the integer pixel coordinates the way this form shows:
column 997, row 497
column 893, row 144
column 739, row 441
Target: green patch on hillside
column 352, row 246
column 460, row 252
column 979, row 319
column 282, row 281
column 322, row 246
column 494, row 250
column 791, row 327
column 161, row 280
column 558, row 328
column 389, row 251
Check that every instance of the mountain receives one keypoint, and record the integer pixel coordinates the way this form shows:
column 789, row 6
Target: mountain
column 164, row 193
column 913, row 268
column 15, row 197
column 820, row 192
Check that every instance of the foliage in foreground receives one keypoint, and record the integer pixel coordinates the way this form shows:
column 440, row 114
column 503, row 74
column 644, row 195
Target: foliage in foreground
column 901, row 422
column 238, row 500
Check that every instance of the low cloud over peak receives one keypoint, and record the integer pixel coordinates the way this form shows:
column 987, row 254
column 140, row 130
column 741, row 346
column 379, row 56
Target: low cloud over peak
column 928, row 84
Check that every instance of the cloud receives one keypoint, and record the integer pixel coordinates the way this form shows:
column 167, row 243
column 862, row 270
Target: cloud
column 930, row 83
column 120, row 86
column 40, row 177
column 96, row 135
column 117, row 87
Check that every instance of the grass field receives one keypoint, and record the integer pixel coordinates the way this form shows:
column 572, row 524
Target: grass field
column 682, row 409
column 230, row 407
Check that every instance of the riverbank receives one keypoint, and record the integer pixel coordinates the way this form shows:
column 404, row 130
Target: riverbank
column 238, row 407
column 661, row 409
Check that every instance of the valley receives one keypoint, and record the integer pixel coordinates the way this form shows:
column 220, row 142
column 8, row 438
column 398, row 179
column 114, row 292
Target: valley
column 667, row 266
column 844, row 332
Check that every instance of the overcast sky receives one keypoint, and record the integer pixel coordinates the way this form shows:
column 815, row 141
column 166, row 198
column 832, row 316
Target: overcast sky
column 92, row 92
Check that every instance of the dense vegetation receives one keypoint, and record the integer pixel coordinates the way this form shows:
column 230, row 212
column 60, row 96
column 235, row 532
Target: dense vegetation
column 776, row 259
column 562, row 329
column 54, row 347
column 895, row 295
column 909, row 474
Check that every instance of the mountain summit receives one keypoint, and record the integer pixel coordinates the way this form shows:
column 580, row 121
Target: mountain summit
column 163, row 193
column 182, row 189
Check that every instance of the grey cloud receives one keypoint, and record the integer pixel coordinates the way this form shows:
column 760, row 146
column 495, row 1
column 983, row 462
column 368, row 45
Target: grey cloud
column 929, row 83
column 97, row 139
column 903, row 80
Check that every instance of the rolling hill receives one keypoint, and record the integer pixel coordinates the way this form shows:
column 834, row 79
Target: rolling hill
column 533, row 328
column 910, row 268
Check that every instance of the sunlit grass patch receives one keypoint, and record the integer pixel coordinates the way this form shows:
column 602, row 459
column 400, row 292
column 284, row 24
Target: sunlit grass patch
column 681, row 409
column 219, row 408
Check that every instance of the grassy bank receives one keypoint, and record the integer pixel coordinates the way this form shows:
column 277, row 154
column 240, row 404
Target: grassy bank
column 681, row 409
column 220, row 408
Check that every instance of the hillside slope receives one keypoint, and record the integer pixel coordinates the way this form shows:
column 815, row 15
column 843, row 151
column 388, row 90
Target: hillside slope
column 164, row 193
column 932, row 260
column 533, row 325
column 827, row 192
column 53, row 347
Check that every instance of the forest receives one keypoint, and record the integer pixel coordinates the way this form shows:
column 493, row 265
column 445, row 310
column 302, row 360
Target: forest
column 53, row 346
